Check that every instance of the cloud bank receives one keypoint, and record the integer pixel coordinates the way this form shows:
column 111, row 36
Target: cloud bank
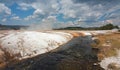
column 60, row 13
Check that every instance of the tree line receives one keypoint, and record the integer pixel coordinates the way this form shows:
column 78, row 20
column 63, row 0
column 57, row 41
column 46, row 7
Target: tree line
column 104, row 27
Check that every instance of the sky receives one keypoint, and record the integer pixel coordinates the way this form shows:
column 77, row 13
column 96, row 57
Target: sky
column 60, row 13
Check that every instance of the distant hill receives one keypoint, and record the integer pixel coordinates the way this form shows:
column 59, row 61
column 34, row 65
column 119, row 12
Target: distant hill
column 105, row 27
column 14, row 27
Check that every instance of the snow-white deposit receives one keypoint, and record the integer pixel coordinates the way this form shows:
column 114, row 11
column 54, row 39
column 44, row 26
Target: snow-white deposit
column 31, row 43
column 111, row 60
column 24, row 44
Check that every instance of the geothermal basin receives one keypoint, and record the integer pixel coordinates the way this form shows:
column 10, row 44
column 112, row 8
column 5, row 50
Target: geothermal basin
column 21, row 45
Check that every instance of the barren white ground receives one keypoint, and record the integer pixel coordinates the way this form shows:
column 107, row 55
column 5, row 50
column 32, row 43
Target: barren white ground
column 26, row 44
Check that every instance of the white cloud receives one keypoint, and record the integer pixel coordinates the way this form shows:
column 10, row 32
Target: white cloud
column 70, row 14
column 55, row 6
column 43, row 9
column 30, row 17
column 45, row 24
column 38, row 11
column 5, row 9
column 4, row 19
column 68, row 8
column 115, row 21
column 15, row 18
column 36, row 14
column 81, row 10
column 50, row 23
column 24, row 6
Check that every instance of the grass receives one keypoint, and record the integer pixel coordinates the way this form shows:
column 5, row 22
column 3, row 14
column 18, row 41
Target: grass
column 107, row 45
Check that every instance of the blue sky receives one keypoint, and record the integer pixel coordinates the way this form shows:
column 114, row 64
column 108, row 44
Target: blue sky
column 21, row 13
column 61, row 13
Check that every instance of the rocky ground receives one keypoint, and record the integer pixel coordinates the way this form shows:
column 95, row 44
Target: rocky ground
column 109, row 54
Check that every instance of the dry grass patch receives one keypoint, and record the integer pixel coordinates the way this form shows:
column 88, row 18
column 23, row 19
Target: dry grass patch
column 107, row 44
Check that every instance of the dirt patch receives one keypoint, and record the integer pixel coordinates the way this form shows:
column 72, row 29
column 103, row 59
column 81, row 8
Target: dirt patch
column 107, row 45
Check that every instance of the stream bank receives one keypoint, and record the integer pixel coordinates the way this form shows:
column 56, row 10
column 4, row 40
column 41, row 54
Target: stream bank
column 76, row 54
